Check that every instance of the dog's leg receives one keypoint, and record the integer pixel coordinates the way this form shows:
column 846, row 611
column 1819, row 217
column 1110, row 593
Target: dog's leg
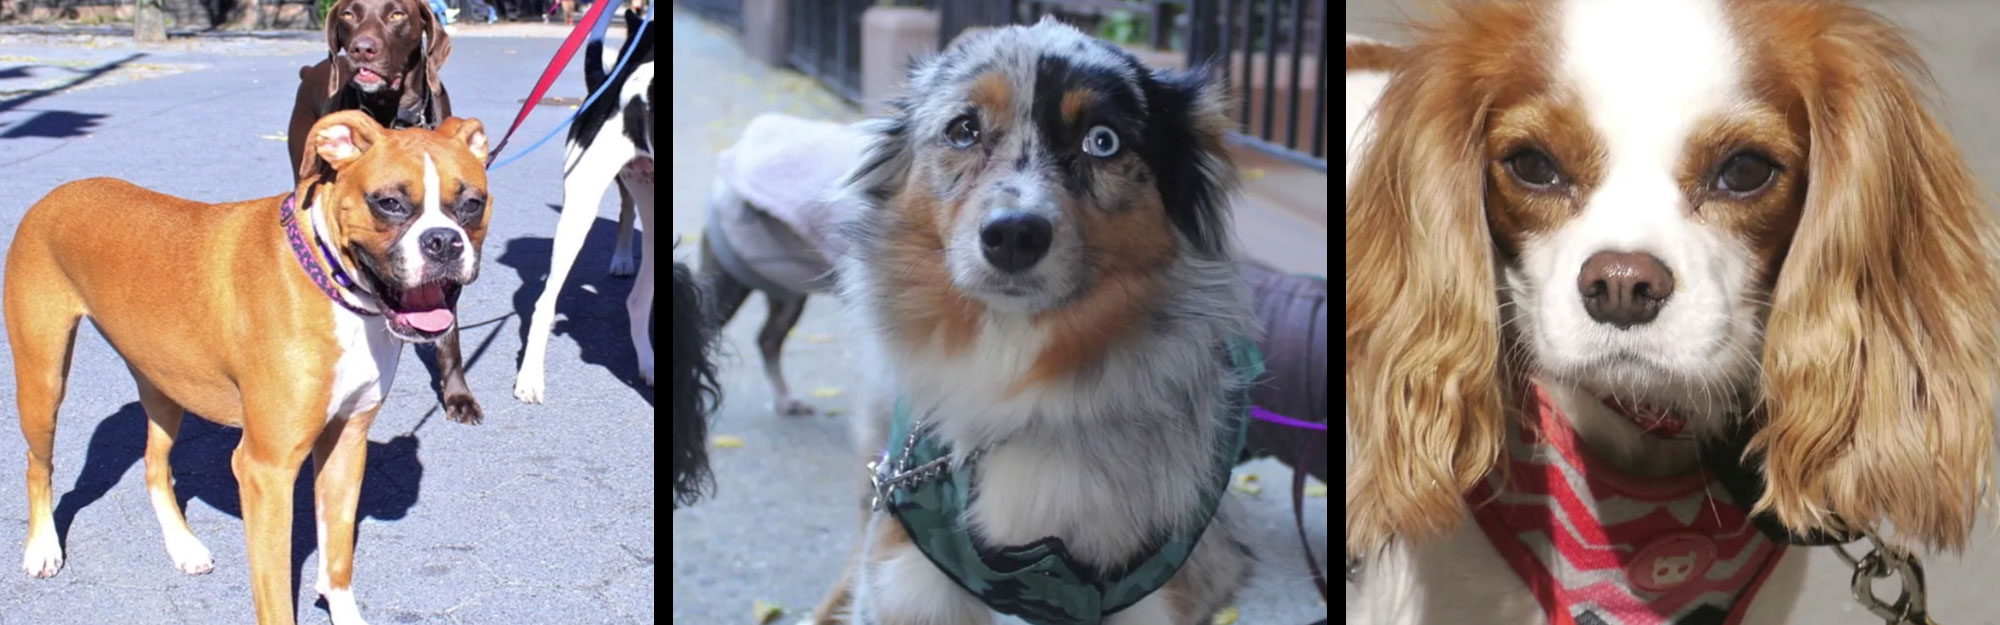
column 163, row 418
column 459, row 404
column 266, row 464
column 42, row 330
column 589, row 172
column 621, row 255
column 729, row 293
column 785, row 313
column 639, row 304
column 339, row 456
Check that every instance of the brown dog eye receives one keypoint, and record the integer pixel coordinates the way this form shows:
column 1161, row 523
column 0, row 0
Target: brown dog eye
column 1534, row 168
column 962, row 132
column 1745, row 173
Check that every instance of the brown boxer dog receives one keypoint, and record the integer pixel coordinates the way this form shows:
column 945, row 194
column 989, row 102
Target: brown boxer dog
column 284, row 316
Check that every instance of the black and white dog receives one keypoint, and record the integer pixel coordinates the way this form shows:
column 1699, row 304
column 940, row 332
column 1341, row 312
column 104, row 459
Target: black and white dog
column 611, row 139
column 695, row 391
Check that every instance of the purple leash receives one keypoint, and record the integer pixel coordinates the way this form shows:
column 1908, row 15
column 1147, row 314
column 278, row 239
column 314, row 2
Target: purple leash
column 1259, row 413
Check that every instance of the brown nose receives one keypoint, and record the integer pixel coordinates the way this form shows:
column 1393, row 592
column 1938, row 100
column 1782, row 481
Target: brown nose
column 363, row 48
column 1624, row 289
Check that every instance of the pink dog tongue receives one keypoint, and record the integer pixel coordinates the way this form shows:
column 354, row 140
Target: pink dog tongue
column 424, row 309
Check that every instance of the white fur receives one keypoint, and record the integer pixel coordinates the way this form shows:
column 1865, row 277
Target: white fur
column 590, row 169
column 1648, row 74
column 432, row 216
column 367, row 362
column 1363, row 90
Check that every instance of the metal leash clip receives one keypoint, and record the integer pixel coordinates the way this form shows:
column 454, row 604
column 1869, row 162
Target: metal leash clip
column 1880, row 562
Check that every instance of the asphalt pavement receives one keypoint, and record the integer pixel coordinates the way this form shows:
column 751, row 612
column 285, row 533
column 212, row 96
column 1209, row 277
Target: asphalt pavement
column 784, row 517
column 1960, row 39
column 542, row 515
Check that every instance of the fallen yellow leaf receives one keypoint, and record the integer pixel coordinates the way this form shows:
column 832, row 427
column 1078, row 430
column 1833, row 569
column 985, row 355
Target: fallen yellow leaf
column 725, row 441
column 1315, row 490
column 1253, row 173
column 1226, row 617
column 1247, row 486
column 763, row 613
column 827, row 392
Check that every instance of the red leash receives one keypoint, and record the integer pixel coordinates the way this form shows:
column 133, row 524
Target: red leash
column 556, row 65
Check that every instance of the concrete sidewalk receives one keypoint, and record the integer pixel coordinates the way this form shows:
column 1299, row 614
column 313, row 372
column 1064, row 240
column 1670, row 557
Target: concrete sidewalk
column 544, row 514
column 783, row 520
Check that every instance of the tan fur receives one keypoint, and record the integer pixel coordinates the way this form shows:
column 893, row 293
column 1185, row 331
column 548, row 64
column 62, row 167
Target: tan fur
column 931, row 309
column 251, row 343
column 1425, row 378
column 1879, row 365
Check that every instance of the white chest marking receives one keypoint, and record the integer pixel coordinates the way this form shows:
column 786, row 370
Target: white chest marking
column 367, row 363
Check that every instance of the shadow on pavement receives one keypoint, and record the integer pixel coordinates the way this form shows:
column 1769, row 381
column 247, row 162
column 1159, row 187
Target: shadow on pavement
column 55, row 124
column 591, row 309
column 389, row 486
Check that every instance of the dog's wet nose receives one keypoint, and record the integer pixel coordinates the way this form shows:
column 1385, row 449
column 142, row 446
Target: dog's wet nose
column 1014, row 242
column 364, row 48
column 442, row 244
column 1624, row 289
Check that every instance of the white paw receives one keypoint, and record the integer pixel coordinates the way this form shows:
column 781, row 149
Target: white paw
column 792, row 407
column 42, row 558
column 646, row 368
column 623, row 265
column 190, row 556
column 528, row 386
column 340, row 606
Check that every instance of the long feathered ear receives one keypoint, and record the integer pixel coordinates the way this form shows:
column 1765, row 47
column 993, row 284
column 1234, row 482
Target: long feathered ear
column 1426, row 384
column 1879, row 364
column 336, row 38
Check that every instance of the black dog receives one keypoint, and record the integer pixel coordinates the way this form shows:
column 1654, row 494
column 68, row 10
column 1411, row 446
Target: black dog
column 695, row 392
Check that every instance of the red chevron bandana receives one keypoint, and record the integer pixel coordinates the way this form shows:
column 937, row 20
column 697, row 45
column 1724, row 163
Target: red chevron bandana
column 1601, row 547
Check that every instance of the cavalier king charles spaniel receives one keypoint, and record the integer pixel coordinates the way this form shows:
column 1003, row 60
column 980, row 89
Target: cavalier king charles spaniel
column 1641, row 294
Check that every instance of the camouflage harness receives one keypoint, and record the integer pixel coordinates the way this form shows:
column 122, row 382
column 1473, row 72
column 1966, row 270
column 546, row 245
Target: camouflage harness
column 1039, row 582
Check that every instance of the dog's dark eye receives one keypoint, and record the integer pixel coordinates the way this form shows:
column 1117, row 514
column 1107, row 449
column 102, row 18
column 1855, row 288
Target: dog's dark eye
column 1745, row 173
column 391, row 206
column 1534, row 168
column 1100, row 142
column 962, row 132
column 471, row 208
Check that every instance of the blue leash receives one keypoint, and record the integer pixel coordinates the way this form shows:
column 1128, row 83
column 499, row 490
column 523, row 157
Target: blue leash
column 597, row 35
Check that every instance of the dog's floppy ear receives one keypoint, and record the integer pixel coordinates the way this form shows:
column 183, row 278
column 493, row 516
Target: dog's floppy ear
column 336, row 38
column 437, row 47
column 337, row 140
column 1429, row 383
column 468, row 131
column 1186, row 151
column 1879, row 364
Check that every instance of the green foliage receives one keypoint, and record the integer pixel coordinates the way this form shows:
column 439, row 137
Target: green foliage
column 1124, row 28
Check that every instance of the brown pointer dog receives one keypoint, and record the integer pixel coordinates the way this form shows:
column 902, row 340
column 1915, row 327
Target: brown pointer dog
column 226, row 311
column 394, row 51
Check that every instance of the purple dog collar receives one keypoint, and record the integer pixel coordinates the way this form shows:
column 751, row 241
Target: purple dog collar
column 288, row 216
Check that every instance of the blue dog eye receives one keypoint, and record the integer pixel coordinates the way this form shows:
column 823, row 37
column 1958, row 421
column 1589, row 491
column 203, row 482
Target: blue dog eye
column 1100, row 142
